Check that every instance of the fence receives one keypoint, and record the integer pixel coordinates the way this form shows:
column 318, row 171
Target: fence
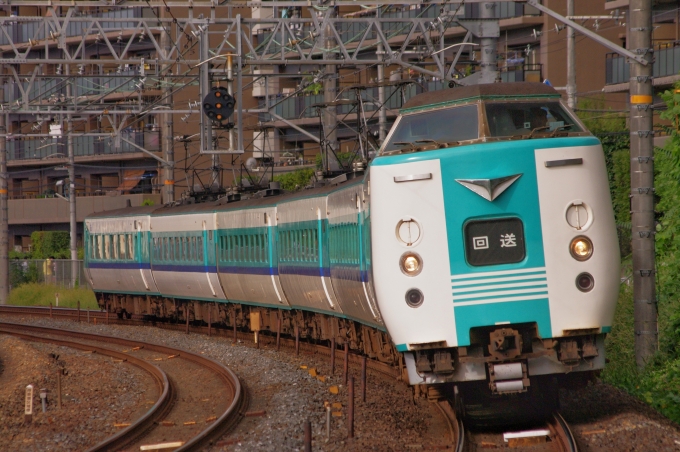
column 58, row 272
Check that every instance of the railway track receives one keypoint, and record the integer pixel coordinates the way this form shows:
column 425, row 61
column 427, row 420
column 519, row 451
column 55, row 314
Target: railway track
column 176, row 391
column 554, row 435
column 384, row 369
column 558, row 437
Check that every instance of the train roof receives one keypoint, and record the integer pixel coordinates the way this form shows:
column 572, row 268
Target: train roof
column 221, row 205
column 491, row 90
column 124, row 212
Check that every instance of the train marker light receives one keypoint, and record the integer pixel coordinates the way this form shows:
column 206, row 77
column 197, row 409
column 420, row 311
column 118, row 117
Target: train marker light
column 414, row 298
column 411, row 264
column 581, row 248
column 585, row 282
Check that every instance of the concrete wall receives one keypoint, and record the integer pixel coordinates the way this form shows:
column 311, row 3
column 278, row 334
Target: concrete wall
column 56, row 210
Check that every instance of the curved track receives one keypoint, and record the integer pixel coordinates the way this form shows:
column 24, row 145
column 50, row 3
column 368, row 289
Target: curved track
column 559, row 438
column 101, row 317
column 144, row 425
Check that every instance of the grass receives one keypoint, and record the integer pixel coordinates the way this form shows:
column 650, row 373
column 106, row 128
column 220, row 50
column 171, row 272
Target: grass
column 33, row 294
column 659, row 383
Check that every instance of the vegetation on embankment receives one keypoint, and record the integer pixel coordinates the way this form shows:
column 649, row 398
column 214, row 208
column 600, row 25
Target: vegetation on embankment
column 35, row 294
column 658, row 384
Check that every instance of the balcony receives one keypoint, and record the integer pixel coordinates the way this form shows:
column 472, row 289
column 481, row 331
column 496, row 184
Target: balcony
column 39, row 30
column 52, row 88
column 50, row 150
column 525, row 73
column 665, row 70
column 353, row 32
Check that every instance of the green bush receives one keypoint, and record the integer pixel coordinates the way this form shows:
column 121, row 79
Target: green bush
column 54, row 244
column 658, row 383
column 295, row 180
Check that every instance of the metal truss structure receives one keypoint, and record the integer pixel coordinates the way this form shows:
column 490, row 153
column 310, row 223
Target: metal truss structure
column 65, row 34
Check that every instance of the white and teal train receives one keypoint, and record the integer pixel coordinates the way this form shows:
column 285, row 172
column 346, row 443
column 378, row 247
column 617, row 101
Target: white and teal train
column 480, row 248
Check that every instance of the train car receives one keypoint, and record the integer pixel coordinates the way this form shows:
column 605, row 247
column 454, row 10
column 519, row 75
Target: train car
column 117, row 252
column 297, row 262
column 495, row 252
column 482, row 239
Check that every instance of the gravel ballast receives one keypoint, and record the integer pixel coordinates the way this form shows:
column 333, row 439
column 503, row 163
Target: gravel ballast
column 285, row 392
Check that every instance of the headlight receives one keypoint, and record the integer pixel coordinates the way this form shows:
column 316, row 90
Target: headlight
column 581, row 248
column 411, row 264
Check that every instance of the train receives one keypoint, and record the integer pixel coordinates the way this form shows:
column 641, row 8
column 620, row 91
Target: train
column 478, row 251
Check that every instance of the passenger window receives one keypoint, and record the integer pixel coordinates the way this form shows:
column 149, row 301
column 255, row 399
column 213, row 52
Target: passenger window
column 199, row 247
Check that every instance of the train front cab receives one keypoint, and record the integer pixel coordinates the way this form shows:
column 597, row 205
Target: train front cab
column 494, row 244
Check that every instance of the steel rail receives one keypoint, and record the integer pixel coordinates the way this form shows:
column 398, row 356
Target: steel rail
column 387, row 370
column 141, row 425
column 456, row 428
column 222, row 424
column 563, row 436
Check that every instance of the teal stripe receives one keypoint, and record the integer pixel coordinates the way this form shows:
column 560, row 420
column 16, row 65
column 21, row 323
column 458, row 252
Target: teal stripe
column 492, row 287
column 491, row 298
column 506, row 278
column 402, row 347
column 606, row 329
column 523, row 311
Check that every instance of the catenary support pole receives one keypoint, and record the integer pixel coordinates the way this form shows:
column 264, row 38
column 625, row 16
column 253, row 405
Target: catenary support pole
column 488, row 45
column 168, row 191
column 330, row 89
column 642, row 182
column 4, row 217
column 571, row 59
column 382, row 114
column 71, row 183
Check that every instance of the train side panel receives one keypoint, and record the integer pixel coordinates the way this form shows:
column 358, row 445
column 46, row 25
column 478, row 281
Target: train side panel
column 117, row 255
column 246, row 257
column 183, row 256
column 348, row 253
column 303, row 255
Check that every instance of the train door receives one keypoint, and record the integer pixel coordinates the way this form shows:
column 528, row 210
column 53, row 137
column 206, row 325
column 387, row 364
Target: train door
column 209, row 255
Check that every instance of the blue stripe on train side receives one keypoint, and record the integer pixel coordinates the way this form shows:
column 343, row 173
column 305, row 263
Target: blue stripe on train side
column 184, row 268
column 119, row 265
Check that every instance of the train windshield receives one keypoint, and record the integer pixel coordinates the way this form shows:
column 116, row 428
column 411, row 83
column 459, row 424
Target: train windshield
column 524, row 118
column 449, row 125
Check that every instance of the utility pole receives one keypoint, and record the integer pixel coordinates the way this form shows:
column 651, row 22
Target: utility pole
column 488, row 41
column 206, row 123
column 71, row 182
column 4, row 218
column 168, row 192
column 382, row 114
column 571, row 59
column 330, row 89
column 642, row 182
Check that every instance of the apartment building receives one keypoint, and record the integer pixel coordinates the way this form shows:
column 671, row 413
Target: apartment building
column 114, row 170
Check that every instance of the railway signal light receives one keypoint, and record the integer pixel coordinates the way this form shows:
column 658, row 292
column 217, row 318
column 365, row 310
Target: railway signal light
column 218, row 104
